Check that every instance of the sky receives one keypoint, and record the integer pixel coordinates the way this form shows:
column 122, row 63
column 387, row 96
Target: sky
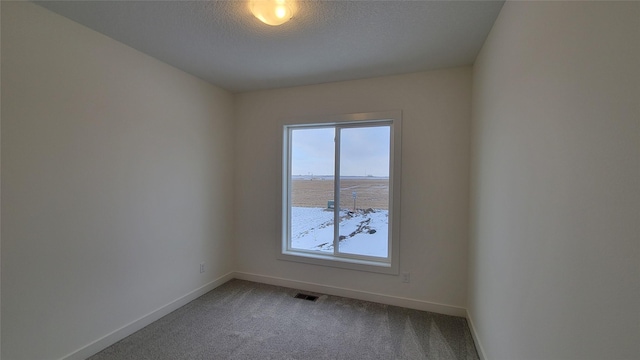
column 364, row 151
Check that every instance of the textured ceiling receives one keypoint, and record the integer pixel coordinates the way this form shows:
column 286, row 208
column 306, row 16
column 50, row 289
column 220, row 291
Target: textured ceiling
column 222, row 43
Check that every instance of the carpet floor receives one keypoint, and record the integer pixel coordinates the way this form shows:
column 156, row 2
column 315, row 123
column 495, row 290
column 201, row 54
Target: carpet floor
column 247, row 320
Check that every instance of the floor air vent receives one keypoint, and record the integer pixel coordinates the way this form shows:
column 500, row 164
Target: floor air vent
column 306, row 297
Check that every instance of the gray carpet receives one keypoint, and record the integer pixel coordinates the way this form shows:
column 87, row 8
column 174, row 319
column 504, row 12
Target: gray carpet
column 247, row 320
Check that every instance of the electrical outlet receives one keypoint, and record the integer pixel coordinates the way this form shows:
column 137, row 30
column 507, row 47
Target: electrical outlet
column 406, row 277
column 201, row 268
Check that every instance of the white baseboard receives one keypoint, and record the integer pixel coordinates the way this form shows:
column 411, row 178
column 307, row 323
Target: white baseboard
column 355, row 294
column 128, row 329
column 476, row 339
column 119, row 334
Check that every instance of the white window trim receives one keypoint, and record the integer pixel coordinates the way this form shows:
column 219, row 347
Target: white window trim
column 390, row 266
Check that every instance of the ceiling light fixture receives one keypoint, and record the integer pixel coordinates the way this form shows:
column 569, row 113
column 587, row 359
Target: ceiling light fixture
column 273, row 12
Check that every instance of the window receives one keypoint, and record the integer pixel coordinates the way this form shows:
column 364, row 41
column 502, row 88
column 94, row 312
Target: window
column 341, row 191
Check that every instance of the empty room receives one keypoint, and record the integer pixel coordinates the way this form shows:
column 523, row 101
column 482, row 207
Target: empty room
column 280, row 179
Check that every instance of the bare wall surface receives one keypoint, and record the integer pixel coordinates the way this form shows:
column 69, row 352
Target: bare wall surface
column 116, row 178
column 435, row 171
column 555, row 248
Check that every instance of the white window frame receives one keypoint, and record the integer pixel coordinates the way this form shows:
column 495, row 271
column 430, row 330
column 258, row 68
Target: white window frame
column 389, row 265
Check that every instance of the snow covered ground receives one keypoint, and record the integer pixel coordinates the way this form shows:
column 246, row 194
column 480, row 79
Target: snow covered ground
column 364, row 232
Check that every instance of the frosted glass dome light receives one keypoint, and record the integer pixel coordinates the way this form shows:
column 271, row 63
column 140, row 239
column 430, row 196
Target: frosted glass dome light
column 273, row 12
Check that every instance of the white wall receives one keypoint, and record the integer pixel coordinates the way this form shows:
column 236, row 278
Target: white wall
column 0, row 190
column 118, row 181
column 116, row 184
column 435, row 166
column 555, row 239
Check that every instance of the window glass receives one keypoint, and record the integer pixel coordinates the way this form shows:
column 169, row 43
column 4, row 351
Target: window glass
column 364, row 191
column 312, row 185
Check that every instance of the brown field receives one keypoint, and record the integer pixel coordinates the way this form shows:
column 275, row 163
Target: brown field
column 371, row 193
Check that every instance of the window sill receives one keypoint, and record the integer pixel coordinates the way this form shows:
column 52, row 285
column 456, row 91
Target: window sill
column 339, row 262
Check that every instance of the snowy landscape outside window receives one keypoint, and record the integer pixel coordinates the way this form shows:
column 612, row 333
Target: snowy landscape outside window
column 338, row 186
